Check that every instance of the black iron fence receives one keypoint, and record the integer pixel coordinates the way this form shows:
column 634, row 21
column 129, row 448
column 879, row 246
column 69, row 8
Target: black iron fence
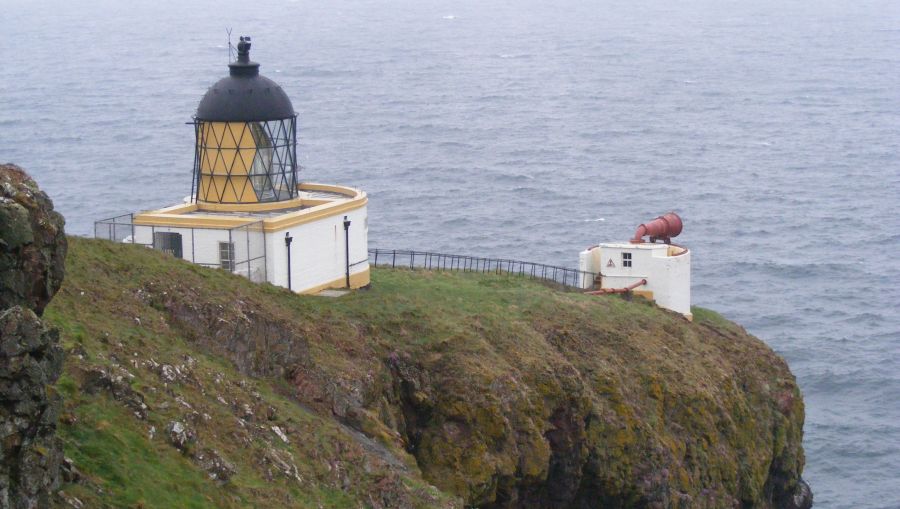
column 439, row 261
column 243, row 252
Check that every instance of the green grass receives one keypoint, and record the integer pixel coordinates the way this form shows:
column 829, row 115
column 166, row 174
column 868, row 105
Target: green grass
column 715, row 320
column 104, row 319
column 130, row 468
column 492, row 355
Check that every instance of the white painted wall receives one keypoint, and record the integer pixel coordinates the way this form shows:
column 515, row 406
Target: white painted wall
column 317, row 251
column 668, row 277
column 198, row 245
column 585, row 265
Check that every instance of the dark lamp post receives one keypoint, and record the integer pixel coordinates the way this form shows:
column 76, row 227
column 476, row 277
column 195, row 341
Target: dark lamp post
column 347, row 248
column 287, row 243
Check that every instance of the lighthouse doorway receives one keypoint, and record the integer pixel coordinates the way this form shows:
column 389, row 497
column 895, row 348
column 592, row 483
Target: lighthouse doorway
column 168, row 242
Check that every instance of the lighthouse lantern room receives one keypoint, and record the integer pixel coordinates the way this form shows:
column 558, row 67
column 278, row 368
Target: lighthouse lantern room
column 246, row 132
column 248, row 212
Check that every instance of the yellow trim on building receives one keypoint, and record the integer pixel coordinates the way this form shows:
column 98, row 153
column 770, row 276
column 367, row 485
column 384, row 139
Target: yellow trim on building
column 181, row 208
column 306, row 216
column 194, row 221
column 357, row 280
column 251, row 207
column 647, row 294
column 675, row 250
column 177, row 216
column 346, row 191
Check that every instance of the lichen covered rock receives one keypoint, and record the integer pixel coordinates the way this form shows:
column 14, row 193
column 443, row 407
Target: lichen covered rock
column 32, row 252
column 30, row 362
column 32, row 242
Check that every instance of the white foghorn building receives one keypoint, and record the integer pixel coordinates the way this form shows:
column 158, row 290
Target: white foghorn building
column 660, row 272
column 247, row 212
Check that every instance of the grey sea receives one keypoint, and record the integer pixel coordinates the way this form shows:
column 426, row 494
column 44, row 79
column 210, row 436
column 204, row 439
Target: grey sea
column 531, row 130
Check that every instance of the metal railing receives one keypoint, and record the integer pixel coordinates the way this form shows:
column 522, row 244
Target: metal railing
column 116, row 229
column 398, row 258
column 246, row 255
column 249, row 251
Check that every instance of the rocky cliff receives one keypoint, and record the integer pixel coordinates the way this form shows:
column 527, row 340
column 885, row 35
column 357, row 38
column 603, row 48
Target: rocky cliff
column 32, row 255
column 187, row 386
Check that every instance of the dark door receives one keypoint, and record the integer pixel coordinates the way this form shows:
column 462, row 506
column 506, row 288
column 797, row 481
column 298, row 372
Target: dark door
column 168, row 242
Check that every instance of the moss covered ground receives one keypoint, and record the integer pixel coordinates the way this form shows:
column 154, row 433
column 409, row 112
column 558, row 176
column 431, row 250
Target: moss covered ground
column 426, row 390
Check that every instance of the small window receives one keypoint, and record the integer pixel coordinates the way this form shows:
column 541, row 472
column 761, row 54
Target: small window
column 626, row 259
column 226, row 256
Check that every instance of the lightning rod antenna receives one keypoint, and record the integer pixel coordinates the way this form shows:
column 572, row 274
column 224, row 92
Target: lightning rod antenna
column 230, row 47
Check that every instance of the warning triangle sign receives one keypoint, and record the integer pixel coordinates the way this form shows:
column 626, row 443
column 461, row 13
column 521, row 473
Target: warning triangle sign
column 610, row 263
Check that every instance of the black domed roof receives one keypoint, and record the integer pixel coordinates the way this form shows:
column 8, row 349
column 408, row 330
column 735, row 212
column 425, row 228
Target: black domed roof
column 244, row 95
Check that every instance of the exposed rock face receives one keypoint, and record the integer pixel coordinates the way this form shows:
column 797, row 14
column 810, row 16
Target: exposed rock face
column 116, row 385
column 32, row 254
column 567, row 403
column 32, row 242
column 181, row 436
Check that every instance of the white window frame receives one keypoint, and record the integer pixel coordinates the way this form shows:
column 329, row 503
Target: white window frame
column 226, row 262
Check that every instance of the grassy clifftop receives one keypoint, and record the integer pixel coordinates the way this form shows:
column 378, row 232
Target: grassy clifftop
column 191, row 387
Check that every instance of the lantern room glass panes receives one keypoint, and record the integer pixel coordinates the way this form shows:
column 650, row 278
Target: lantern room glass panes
column 246, row 162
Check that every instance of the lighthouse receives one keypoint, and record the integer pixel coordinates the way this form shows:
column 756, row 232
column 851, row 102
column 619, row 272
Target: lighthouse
column 249, row 212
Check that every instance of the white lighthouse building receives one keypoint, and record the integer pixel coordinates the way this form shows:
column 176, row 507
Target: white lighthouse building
column 659, row 271
column 248, row 212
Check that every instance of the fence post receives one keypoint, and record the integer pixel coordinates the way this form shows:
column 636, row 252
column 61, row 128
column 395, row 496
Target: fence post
column 246, row 234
